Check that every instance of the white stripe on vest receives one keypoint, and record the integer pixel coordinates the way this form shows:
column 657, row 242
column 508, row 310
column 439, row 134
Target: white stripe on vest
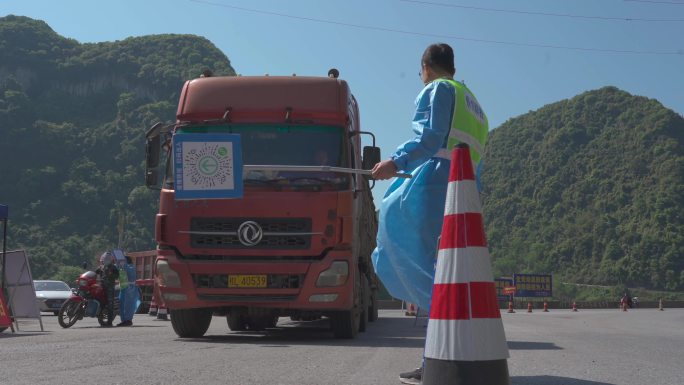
column 466, row 138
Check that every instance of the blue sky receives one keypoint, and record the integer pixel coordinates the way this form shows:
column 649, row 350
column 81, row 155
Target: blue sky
column 380, row 57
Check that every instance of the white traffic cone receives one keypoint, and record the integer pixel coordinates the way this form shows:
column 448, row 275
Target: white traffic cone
column 465, row 343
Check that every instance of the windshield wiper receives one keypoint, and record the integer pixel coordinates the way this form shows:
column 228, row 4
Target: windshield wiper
column 268, row 182
column 324, row 181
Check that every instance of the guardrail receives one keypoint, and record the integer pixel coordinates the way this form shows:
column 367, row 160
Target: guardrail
column 537, row 303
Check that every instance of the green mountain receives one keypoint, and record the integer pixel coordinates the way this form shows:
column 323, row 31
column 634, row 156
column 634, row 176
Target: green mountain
column 591, row 189
column 72, row 124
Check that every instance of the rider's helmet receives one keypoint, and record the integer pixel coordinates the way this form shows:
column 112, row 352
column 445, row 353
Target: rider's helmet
column 106, row 258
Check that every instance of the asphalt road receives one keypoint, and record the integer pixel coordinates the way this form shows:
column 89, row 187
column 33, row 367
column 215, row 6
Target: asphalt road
column 590, row 347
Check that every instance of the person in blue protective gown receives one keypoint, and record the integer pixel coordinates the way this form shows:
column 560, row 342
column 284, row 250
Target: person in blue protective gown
column 412, row 211
column 129, row 293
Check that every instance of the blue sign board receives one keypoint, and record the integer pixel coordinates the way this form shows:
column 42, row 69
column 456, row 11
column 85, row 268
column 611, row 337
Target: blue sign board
column 499, row 284
column 207, row 166
column 4, row 212
column 533, row 285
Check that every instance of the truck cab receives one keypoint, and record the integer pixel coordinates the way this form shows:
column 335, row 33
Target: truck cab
column 298, row 242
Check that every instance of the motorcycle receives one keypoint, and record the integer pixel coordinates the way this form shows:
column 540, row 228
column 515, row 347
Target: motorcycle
column 88, row 300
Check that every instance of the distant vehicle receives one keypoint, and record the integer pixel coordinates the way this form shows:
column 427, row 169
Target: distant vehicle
column 50, row 295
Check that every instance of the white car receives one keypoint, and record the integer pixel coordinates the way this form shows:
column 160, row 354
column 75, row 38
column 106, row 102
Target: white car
column 50, row 295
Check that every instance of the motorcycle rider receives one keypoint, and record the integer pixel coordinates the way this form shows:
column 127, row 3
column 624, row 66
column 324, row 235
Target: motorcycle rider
column 109, row 273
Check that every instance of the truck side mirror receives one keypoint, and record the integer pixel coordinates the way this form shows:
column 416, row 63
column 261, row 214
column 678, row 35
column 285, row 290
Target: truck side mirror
column 152, row 156
column 152, row 178
column 371, row 156
column 152, row 150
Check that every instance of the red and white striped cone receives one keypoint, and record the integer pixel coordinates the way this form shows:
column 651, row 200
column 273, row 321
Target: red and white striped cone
column 465, row 343
column 153, row 307
column 163, row 312
column 410, row 309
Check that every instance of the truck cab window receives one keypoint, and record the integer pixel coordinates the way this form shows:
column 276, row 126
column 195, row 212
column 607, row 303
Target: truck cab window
column 289, row 145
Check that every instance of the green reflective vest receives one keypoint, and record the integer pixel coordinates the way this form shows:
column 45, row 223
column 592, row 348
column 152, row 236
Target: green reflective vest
column 469, row 124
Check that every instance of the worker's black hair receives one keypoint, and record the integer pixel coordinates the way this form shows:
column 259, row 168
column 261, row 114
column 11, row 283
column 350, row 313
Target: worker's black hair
column 439, row 57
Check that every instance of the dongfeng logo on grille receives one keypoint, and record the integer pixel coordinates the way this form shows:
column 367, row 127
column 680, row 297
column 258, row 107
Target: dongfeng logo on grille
column 249, row 233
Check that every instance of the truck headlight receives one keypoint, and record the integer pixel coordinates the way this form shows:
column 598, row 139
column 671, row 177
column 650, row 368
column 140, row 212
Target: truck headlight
column 335, row 275
column 166, row 276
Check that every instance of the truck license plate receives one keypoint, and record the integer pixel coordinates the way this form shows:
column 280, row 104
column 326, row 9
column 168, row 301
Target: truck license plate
column 247, row 281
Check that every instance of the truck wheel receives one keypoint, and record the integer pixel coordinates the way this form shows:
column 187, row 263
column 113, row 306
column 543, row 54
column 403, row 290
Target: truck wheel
column 259, row 323
column 345, row 324
column 373, row 307
column 190, row 323
column 236, row 321
column 365, row 303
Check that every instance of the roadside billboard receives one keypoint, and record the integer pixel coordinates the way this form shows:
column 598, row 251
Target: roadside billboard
column 533, row 285
column 500, row 284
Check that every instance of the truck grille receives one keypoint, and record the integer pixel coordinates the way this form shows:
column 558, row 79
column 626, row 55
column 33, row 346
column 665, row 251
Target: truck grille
column 247, row 297
column 278, row 233
column 254, row 258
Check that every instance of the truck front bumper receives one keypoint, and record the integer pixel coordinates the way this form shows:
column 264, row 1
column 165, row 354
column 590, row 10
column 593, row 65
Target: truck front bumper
column 203, row 284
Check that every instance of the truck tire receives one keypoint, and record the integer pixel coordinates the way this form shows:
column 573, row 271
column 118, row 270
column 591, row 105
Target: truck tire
column 190, row 323
column 236, row 321
column 261, row 322
column 345, row 324
column 365, row 302
column 373, row 307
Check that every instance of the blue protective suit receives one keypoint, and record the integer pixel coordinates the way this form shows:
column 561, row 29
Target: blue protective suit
column 129, row 297
column 412, row 210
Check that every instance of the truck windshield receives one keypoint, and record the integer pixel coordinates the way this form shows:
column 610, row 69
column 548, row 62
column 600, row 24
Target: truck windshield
column 289, row 145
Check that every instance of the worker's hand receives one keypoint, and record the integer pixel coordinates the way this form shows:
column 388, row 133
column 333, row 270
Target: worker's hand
column 384, row 170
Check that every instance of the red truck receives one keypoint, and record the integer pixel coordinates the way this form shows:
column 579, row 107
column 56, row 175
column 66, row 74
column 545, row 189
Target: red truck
column 298, row 242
